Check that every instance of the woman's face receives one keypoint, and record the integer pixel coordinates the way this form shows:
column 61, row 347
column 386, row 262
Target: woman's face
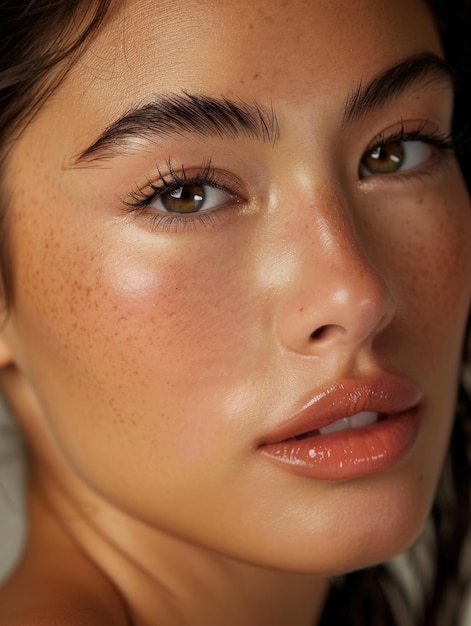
column 277, row 241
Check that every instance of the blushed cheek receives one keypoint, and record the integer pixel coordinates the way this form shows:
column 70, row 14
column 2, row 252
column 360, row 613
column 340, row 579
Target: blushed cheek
column 427, row 262
column 124, row 343
column 109, row 310
column 442, row 259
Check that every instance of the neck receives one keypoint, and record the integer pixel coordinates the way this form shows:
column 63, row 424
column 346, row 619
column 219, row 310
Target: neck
column 159, row 575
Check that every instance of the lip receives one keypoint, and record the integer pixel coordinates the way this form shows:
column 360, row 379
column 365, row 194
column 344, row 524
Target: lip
column 350, row 453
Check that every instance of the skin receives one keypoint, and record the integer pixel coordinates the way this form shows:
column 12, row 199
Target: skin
column 144, row 365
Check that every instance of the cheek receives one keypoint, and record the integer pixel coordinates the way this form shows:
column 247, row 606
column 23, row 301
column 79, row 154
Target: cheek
column 440, row 263
column 431, row 275
column 126, row 333
column 426, row 261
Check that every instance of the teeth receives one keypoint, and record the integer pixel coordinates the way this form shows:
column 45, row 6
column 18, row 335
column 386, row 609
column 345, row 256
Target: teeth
column 365, row 418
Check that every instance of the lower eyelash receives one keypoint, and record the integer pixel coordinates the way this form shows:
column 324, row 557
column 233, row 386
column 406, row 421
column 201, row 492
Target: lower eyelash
column 444, row 144
column 173, row 180
column 182, row 224
column 138, row 202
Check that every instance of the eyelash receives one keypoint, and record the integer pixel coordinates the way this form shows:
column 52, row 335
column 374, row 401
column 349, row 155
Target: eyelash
column 443, row 142
column 140, row 200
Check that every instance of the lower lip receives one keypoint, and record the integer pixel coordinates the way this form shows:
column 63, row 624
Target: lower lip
column 351, row 453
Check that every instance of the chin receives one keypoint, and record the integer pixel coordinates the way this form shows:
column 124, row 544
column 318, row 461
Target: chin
column 363, row 525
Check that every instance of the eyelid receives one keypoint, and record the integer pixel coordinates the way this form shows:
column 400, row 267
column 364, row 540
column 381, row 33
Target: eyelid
column 138, row 203
column 171, row 178
column 409, row 131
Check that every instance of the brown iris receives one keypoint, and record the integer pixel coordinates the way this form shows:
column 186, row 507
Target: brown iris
column 385, row 159
column 186, row 199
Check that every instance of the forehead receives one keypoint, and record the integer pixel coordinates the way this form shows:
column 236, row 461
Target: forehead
column 285, row 49
column 297, row 57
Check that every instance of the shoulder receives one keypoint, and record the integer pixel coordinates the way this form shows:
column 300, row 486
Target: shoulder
column 60, row 616
column 55, row 584
column 66, row 613
column 83, row 617
column 27, row 600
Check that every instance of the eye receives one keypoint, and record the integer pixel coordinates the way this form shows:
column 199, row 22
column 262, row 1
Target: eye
column 190, row 198
column 394, row 157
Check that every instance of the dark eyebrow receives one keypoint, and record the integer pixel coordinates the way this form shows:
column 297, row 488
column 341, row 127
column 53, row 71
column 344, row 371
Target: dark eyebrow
column 180, row 115
column 392, row 83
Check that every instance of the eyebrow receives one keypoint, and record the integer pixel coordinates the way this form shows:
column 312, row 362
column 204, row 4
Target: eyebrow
column 207, row 117
column 180, row 115
column 391, row 83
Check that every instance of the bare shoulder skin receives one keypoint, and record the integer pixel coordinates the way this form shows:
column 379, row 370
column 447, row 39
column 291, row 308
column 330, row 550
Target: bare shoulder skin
column 55, row 584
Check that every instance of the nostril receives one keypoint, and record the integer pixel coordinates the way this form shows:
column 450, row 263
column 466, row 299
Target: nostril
column 327, row 331
column 317, row 334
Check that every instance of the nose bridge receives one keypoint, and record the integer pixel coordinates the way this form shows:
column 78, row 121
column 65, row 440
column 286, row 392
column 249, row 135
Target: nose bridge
column 337, row 296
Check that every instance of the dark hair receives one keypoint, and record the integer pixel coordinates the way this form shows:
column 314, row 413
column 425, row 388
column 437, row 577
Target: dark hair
column 453, row 18
column 39, row 41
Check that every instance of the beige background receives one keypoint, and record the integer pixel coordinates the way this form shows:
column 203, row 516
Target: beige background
column 12, row 519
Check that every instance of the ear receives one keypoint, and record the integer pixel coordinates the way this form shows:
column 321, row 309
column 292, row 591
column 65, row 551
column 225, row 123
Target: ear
column 6, row 357
column 6, row 354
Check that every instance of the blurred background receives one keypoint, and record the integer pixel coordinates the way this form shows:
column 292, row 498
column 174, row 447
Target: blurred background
column 12, row 482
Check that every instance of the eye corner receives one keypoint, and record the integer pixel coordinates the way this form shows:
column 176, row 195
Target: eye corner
column 404, row 151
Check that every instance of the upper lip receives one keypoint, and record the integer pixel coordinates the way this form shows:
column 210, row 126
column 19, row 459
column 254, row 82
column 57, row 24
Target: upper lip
column 383, row 393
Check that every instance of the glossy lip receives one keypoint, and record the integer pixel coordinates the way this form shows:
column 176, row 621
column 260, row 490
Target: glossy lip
column 355, row 452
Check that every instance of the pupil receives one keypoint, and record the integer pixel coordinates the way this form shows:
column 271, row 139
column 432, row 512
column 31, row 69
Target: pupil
column 385, row 159
column 184, row 199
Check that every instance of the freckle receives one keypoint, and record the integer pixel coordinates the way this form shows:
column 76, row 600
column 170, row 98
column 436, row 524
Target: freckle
column 242, row 82
column 251, row 26
column 301, row 309
column 255, row 76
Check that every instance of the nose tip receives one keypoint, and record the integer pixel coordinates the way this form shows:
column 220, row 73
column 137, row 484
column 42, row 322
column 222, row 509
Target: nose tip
column 356, row 322
column 341, row 308
column 338, row 295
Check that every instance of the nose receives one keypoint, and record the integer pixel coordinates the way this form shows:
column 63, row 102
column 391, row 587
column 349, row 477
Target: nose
column 336, row 297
